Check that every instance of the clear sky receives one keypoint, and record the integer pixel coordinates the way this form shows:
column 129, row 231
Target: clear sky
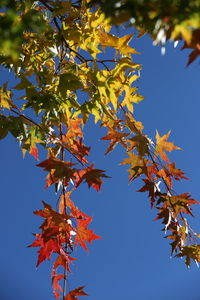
column 132, row 261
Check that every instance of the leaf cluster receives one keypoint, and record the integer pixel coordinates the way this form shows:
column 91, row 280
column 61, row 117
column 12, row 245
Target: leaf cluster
column 64, row 81
column 163, row 20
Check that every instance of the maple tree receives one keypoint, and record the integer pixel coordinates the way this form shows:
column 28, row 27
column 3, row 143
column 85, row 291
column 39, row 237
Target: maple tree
column 58, row 58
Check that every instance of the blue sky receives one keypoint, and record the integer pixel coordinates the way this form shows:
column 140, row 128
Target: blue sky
column 132, row 261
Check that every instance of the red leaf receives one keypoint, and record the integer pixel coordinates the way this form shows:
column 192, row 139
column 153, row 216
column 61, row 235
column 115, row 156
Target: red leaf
column 63, row 261
column 34, row 151
column 46, row 250
column 81, row 150
column 55, row 284
column 91, row 176
column 83, row 234
column 55, row 232
column 77, row 292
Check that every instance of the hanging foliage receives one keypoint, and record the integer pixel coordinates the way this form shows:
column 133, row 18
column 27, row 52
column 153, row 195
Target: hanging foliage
column 59, row 61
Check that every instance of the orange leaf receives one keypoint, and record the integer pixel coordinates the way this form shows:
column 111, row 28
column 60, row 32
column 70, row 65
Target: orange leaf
column 162, row 145
column 115, row 137
column 166, row 176
column 138, row 165
column 176, row 173
column 74, row 211
column 83, row 234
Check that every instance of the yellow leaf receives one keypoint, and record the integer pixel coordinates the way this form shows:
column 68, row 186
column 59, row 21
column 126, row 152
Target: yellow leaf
column 183, row 30
column 120, row 44
column 5, row 99
column 124, row 64
column 131, row 97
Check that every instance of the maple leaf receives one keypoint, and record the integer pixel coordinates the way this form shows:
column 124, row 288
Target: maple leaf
column 138, row 165
column 55, row 283
column 54, row 163
column 152, row 170
column 166, row 176
column 55, row 231
column 183, row 202
column 179, row 203
column 115, row 137
column 176, row 244
column 176, row 173
column 170, row 171
column 149, row 187
column 54, row 217
column 34, row 151
column 190, row 252
column 162, row 145
column 81, row 150
column 130, row 96
column 74, row 211
column 91, row 176
column 64, row 261
column 163, row 214
column 76, row 292
column 30, row 143
column 120, row 44
column 46, row 249
column 141, row 143
column 83, row 234
column 74, row 129
column 59, row 169
column 6, row 97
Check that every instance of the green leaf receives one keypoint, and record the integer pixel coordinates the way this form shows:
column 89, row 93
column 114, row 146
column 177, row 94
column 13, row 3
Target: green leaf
column 69, row 81
column 3, row 127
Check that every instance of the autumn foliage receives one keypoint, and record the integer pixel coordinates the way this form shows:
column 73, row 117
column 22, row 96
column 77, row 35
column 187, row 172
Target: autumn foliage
column 65, row 80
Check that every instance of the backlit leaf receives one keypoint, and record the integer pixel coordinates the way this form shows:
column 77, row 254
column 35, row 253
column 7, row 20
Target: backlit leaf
column 162, row 145
column 84, row 234
column 76, row 292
